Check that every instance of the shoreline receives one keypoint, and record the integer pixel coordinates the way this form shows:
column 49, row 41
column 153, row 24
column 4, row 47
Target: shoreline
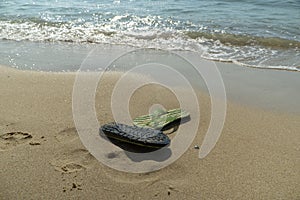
column 268, row 89
column 51, row 55
column 255, row 157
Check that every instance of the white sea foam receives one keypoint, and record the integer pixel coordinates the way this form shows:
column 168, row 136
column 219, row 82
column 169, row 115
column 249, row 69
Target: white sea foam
column 150, row 32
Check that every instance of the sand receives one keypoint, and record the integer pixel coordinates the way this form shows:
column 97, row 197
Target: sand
column 42, row 157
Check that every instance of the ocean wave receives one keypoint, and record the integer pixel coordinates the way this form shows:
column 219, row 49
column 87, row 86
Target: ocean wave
column 247, row 40
column 155, row 32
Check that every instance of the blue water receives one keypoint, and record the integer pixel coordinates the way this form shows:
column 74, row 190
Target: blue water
column 258, row 33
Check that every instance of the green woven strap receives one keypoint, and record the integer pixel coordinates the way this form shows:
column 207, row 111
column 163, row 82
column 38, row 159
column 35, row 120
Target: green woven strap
column 160, row 118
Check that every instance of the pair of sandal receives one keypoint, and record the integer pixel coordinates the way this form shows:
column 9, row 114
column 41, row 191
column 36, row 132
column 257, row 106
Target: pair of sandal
column 147, row 129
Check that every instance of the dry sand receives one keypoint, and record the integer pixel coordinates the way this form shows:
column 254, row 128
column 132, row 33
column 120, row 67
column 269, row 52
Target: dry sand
column 256, row 157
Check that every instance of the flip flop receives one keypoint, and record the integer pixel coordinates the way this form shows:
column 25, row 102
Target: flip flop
column 141, row 136
column 160, row 118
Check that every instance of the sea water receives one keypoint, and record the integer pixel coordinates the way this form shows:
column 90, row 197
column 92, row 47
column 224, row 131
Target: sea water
column 256, row 33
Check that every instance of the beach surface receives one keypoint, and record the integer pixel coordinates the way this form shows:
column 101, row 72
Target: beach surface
column 42, row 157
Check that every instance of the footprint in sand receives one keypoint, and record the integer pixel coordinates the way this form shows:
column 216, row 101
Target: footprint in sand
column 67, row 135
column 77, row 160
column 12, row 139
